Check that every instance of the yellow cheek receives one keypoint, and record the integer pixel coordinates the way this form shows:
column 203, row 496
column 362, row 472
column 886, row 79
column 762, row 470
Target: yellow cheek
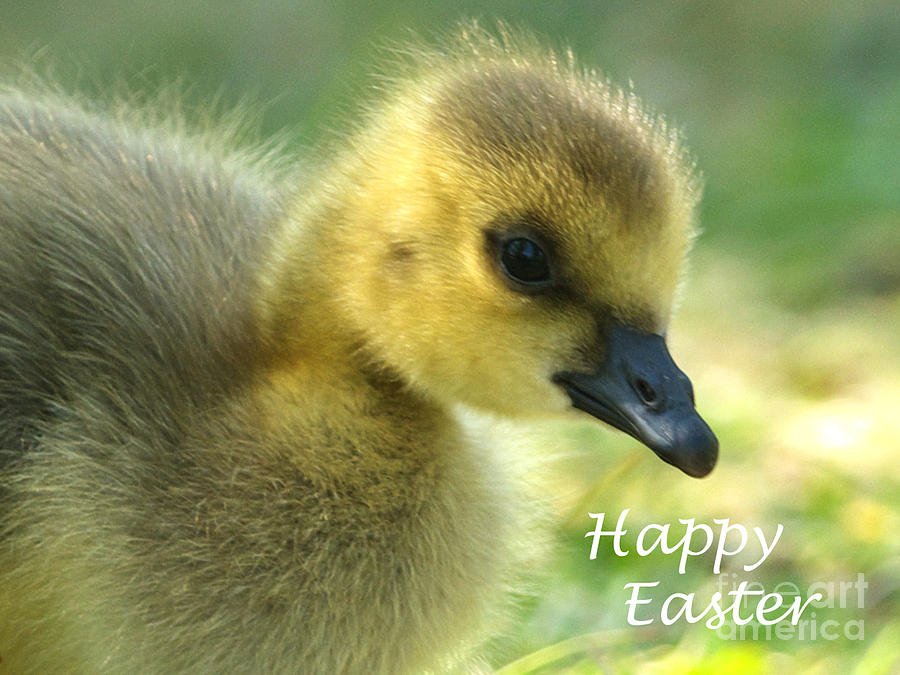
column 503, row 361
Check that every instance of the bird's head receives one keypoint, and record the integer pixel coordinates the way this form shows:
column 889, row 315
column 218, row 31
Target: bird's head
column 514, row 240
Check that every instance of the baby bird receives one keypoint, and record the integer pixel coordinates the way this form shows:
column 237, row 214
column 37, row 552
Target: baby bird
column 230, row 437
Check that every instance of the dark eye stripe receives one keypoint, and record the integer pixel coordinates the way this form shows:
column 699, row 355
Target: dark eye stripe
column 524, row 261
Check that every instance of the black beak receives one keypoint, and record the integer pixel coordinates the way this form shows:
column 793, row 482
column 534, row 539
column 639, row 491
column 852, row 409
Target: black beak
column 641, row 391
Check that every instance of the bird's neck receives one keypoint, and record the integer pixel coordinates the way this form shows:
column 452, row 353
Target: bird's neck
column 318, row 357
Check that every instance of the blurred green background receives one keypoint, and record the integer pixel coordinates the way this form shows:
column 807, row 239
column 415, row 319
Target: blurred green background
column 789, row 326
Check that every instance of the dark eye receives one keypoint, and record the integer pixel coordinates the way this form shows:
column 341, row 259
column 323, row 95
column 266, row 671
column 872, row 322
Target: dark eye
column 523, row 260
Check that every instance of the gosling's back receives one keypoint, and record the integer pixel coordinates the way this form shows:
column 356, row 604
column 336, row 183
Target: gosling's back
column 124, row 318
column 124, row 271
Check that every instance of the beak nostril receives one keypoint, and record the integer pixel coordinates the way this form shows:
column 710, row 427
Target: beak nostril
column 645, row 391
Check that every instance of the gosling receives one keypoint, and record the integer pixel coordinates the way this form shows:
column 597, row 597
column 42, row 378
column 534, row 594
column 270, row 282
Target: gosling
column 229, row 427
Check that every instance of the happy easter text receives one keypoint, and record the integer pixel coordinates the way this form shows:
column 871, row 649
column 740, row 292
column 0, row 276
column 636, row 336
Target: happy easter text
column 724, row 539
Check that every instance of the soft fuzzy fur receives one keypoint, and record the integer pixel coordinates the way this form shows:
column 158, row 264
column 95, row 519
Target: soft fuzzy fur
column 228, row 405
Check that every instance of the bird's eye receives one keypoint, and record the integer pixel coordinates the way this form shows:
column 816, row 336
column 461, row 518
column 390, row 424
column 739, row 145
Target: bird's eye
column 524, row 261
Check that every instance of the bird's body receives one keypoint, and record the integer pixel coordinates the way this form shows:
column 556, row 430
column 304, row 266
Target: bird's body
column 227, row 428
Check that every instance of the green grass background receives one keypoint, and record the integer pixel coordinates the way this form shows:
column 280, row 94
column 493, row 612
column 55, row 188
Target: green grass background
column 789, row 327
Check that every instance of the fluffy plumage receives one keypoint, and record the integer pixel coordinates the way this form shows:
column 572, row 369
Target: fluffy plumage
column 227, row 405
